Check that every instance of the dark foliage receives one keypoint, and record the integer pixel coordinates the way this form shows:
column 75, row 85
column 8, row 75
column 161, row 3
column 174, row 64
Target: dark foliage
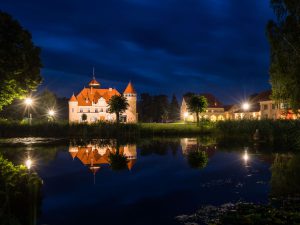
column 19, row 61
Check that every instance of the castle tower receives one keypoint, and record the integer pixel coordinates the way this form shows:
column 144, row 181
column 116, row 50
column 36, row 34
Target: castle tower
column 131, row 96
column 73, row 108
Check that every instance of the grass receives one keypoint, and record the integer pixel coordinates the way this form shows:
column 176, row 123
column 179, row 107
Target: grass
column 96, row 130
column 282, row 133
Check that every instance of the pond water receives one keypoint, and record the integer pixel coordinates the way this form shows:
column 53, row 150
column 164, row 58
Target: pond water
column 161, row 179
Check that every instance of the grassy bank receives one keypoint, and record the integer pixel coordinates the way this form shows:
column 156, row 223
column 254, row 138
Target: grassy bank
column 284, row 132
column 100, row 130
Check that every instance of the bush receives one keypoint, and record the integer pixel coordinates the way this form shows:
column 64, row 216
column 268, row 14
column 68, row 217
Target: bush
column 20, row 194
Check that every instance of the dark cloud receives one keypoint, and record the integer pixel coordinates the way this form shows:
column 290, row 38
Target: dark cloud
column 169, row 46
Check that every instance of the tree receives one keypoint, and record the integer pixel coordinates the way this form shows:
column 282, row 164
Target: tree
column 160, row 108
column 146, row 108
column 174, row 109
column 45, row 101
column 19, row 61
column 84, row 117
column 284, row 41
column 117, row 104
column 197, row 104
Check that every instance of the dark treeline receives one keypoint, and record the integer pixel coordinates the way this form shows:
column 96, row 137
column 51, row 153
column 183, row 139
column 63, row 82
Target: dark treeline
column 42, row 102
column 158, row 108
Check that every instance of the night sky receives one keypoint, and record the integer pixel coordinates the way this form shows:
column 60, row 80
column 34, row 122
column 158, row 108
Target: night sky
column 162, row 46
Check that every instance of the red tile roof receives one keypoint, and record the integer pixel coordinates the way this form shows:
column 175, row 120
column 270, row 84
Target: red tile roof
column 129, row 89
column 73, row 99
column 89, row 95
column 94, row 82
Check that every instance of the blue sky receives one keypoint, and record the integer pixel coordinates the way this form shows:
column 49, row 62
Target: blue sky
column 162, row 46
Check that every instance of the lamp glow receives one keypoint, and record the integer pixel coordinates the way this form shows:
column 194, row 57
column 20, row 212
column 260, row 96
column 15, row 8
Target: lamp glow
column 28, row 163
column 28, row 101
column 51, row 112
column 245, row 106
column 185, row 114
column 246, row 156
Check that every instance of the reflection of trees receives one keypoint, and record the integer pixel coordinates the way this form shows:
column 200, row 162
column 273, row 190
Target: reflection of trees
column 117, row 160
column 285, row 179
column 197, row 151
column 159, row 146
column 197, row 159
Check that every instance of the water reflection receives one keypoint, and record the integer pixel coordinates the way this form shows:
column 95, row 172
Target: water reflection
column 95, row 155
column 197, row 152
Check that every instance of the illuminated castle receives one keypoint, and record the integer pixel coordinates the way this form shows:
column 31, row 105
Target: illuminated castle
column 91, row 104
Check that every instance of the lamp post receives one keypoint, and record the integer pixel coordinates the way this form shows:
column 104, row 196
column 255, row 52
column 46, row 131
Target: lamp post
column 28, row 102
column 51, row 115
column 245, row 107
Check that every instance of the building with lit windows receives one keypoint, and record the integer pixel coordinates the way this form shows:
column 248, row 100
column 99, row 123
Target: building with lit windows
column 91, row 104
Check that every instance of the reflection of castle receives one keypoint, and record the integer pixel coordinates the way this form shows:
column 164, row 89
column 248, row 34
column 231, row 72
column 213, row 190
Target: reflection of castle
column 194, row 144
column 94, row 156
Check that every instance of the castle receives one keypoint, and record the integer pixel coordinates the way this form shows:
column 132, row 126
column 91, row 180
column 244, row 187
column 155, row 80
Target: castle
column 91, row 104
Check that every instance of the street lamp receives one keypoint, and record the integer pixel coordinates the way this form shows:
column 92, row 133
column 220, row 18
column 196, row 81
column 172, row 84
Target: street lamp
column 245, row 106
column 28, row 102
column 51, row 114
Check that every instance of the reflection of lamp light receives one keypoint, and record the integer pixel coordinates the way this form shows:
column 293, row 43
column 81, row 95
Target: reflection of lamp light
column 246, row 156
column 28, row 163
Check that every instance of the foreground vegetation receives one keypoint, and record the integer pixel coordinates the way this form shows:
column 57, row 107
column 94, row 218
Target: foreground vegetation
column 280, row 132
column 20, row 194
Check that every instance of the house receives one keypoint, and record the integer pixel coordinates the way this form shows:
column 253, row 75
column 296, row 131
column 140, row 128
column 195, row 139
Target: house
column 214, row 111
column 91, row 104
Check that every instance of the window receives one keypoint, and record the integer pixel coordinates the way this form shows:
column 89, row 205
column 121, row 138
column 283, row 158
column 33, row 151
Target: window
column 273, row 106
column 81, row 110
column 265, row 107
column 89, row 110
column 72, row 110
column 101, row 110
column 107, row 110
column 96, row 110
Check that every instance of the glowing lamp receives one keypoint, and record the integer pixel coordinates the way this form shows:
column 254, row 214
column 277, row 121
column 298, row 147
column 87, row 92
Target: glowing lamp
column 28, row 101
column 186, row 114
column 51, row 112
column 245, row 106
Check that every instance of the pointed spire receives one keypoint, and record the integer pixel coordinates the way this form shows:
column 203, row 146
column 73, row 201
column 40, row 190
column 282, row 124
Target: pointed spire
column 129, row 89
column 94, row 83
column 73, row 98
